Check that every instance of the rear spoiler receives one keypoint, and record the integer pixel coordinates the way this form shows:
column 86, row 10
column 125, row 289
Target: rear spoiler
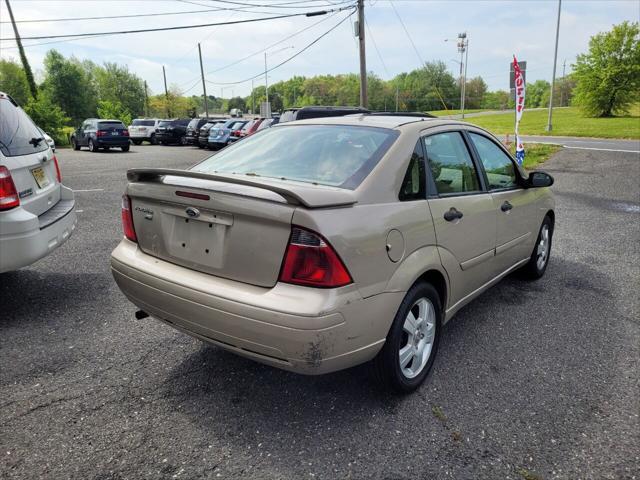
column 309, row 196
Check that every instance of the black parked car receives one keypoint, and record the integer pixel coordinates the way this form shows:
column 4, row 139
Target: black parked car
column 172, row 131
column 292, row 114
column 98, row 133
column 193, row 129
column 203, row 133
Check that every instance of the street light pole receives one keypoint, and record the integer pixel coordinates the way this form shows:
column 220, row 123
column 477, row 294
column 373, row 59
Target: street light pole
column 555, row 60
column 463, row 44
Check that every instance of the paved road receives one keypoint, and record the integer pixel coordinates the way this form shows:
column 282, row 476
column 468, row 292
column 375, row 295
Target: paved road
column 532, row 378
column 614, row 145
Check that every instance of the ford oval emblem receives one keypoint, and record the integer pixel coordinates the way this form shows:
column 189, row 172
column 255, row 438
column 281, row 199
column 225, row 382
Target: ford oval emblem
column 192, row 212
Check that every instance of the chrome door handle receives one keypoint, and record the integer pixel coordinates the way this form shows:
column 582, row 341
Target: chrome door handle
column 506, row 206
column 452, row 214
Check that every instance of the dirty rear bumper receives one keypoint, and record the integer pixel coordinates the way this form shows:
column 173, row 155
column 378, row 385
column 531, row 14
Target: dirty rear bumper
column 300, row 329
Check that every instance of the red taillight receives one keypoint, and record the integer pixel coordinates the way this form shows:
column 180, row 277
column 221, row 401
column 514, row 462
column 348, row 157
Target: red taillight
column 127, row 219
column 8, row 194
column 125, row 133
column 101, row 133
column 58, row 174
column 311, row 261
column 236, row 133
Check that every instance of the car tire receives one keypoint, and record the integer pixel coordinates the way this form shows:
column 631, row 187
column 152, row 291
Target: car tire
column 406, row 358
column 125, row 148
column 152, row 140
column 182, row 141
column 74, row 144
column 537, row 264
column 136, row 142
column 92, row 146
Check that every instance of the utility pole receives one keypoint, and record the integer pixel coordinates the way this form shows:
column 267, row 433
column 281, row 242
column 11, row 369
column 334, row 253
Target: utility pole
column 463, row 44
column 363, row 57
column 23, row 57
column 555, row 59
column 266, row 87
column 166, row 92
column 146, row 99
column 204, row 86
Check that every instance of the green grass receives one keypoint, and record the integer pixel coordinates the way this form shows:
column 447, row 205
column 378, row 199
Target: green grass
column 535, row 154
column 566, row 122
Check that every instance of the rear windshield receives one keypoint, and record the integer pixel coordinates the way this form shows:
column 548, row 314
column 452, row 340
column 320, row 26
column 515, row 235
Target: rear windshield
column 143, row 123
column 194, row 123
column 105, row 125
column 183, row 121
column 165, row 123
column 18, row 134
column 336, row 155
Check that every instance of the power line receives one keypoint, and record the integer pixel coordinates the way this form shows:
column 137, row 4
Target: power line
column 266, row 48
column 179, row 27
column 407, row 32
column 73, row 19
column 288, row 59
column 375, row 46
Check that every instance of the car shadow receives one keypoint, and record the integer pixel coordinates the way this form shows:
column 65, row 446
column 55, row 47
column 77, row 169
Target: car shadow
column 518, row 341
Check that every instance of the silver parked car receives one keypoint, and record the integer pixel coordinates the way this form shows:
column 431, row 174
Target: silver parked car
column 320, row 244
column 36, row 211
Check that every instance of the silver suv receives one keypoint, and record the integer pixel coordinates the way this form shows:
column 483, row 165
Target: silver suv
column 36, row 211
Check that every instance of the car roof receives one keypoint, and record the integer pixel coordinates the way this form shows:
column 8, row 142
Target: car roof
column 378, row 120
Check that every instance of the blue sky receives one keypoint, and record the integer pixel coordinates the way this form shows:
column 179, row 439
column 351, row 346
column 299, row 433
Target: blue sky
column 496, row 29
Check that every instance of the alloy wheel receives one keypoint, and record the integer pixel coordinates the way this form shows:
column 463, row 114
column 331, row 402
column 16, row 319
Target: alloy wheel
column 542, row 252
column 418, row 338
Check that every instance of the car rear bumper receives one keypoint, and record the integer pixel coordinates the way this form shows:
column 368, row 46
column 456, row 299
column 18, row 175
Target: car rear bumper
column 112, row 142
column 304, row 330
column 191, row 140
column 139, row 136
column 26, row 238
column 167, row 138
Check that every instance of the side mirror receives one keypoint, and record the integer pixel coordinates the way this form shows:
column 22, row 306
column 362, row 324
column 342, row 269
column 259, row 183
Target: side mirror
column 539, row 178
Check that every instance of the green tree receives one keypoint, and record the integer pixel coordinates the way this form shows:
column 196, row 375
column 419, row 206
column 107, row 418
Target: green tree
column 48, row 116
column 67, row 84
column 117, row 85
column 474, row 92
column 13, row 81
column 237, row 102
column 537, row 93
column 114, row 110
column 498, row 100
column 608, row 76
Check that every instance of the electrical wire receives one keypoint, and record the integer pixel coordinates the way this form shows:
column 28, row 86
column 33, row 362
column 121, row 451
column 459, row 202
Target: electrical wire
column 178, row 27
column 415, row 49
column 265, row 48
column 288, row 59
column 74, row 19
column 375, row 46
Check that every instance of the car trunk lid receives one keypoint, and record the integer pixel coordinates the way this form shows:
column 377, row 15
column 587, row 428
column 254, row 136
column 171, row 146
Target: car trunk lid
column 229, row 227
column 34, row 176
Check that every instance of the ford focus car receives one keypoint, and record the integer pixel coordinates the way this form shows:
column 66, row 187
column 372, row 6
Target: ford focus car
column 317, row 245
column 37, row 212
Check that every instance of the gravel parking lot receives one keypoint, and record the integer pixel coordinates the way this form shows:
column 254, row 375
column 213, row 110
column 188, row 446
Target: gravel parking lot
column 533, row 380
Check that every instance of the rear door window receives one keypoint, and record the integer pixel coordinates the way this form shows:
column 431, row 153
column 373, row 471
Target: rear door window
column 450, row 163
column 18, row 134
column 414, row 184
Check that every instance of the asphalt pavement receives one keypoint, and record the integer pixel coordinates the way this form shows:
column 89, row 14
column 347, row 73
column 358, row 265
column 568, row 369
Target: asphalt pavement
column 534, row 380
